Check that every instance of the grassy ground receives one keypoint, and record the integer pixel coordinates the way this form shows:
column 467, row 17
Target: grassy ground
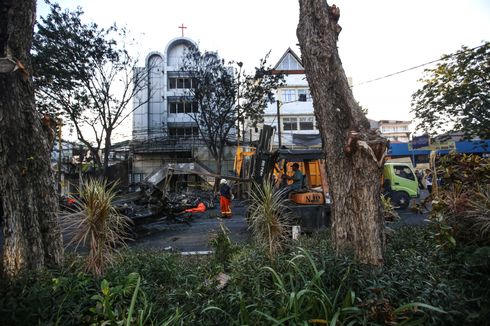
column 305, row 284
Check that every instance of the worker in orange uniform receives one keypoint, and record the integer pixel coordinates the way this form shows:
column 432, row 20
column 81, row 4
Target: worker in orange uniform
column 225, row 198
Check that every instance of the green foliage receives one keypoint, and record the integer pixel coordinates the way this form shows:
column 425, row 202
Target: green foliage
column 84, row 74
column 461, row 210
column 463, row 169
column 222, row 245
column 389, row 212
column 66, row 53
column 456, row 94
column 95, row 223
column 112, row 304
column 309, row 284
column 268, row 217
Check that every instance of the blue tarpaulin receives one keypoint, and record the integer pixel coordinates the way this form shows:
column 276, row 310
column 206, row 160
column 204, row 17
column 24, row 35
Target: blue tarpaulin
column 467, row 146
column 420, row 141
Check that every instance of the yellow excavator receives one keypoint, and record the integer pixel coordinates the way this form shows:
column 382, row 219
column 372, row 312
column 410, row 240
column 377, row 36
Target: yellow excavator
column 310, row 205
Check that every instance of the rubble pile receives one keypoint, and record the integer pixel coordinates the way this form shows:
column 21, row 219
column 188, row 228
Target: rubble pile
column 149, row 204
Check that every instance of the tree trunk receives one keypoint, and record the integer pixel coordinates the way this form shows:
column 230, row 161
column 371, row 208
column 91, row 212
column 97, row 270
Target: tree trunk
column 354, row 153
column 31, row 230
column 219, row 163
column 107, row 150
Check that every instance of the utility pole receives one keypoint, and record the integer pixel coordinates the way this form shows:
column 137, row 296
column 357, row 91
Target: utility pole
column 60, row 148
column 239, row 114
column 278, row 103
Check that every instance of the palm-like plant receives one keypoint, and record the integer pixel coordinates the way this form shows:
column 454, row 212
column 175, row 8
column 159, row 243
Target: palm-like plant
column 479, row 212
column 96, row 224
column 269, row 217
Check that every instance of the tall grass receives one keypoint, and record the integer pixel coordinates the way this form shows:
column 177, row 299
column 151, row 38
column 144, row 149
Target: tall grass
column 269, row 217
column 97, row 225
column 302, row 295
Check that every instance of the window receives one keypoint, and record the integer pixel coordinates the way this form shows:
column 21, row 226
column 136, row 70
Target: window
column 304, row 95
column 306, row 123
column 172, row 83
column 289, row 63
column 180, row 83
column 288, row 95
column 403, row 172
column 183, row 132
column 137, row 177
column 182, row 107
column 290, row 123
column 172, row 107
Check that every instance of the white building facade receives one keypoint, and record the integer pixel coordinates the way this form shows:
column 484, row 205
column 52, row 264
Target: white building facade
column 293, row 115
column 294, row 112
column 164, row 116
column 163, row 130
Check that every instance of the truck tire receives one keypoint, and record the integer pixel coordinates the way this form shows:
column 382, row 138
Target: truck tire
column 401, row 199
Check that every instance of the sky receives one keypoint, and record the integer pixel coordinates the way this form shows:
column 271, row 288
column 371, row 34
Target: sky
column 379, row 37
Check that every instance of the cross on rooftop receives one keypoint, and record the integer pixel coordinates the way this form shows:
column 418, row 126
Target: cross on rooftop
column 182, row 27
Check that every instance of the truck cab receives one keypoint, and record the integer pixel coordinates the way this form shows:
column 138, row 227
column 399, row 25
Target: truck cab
column 400, row 183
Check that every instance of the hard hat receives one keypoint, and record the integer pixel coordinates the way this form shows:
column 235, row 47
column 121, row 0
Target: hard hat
column 223, row 181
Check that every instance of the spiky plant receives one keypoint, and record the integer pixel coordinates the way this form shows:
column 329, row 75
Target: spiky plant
column 389, row 213
column 479, row 212
column 269, row 216
column 97, row 225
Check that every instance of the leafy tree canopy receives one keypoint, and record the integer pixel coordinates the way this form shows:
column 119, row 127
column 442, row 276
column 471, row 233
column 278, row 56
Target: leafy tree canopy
column 456, row 94
column 85, row 75
column 66, row 54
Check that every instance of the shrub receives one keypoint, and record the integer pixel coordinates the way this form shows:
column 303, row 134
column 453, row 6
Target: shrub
column 389, row 212
column 268, row 216
column 97, row 224
column 461, row 210
column 307, row 284
column 222, row 245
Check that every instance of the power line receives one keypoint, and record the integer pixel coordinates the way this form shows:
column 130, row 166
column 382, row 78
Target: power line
column 419, row 66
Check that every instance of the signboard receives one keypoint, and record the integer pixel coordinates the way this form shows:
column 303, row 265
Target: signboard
column 420, row 141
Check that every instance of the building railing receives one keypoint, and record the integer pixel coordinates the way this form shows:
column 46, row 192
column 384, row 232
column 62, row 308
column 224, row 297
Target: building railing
column 168, row 144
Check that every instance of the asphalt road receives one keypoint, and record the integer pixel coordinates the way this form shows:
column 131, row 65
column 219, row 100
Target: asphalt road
column 194, row 235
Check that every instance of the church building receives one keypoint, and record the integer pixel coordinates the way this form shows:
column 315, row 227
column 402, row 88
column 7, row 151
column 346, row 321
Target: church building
column 163, row 130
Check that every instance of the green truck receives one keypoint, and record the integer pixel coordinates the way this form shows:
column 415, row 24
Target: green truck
column 400, row 183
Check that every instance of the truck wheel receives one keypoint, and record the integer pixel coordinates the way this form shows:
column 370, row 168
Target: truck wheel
column 401, row 199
